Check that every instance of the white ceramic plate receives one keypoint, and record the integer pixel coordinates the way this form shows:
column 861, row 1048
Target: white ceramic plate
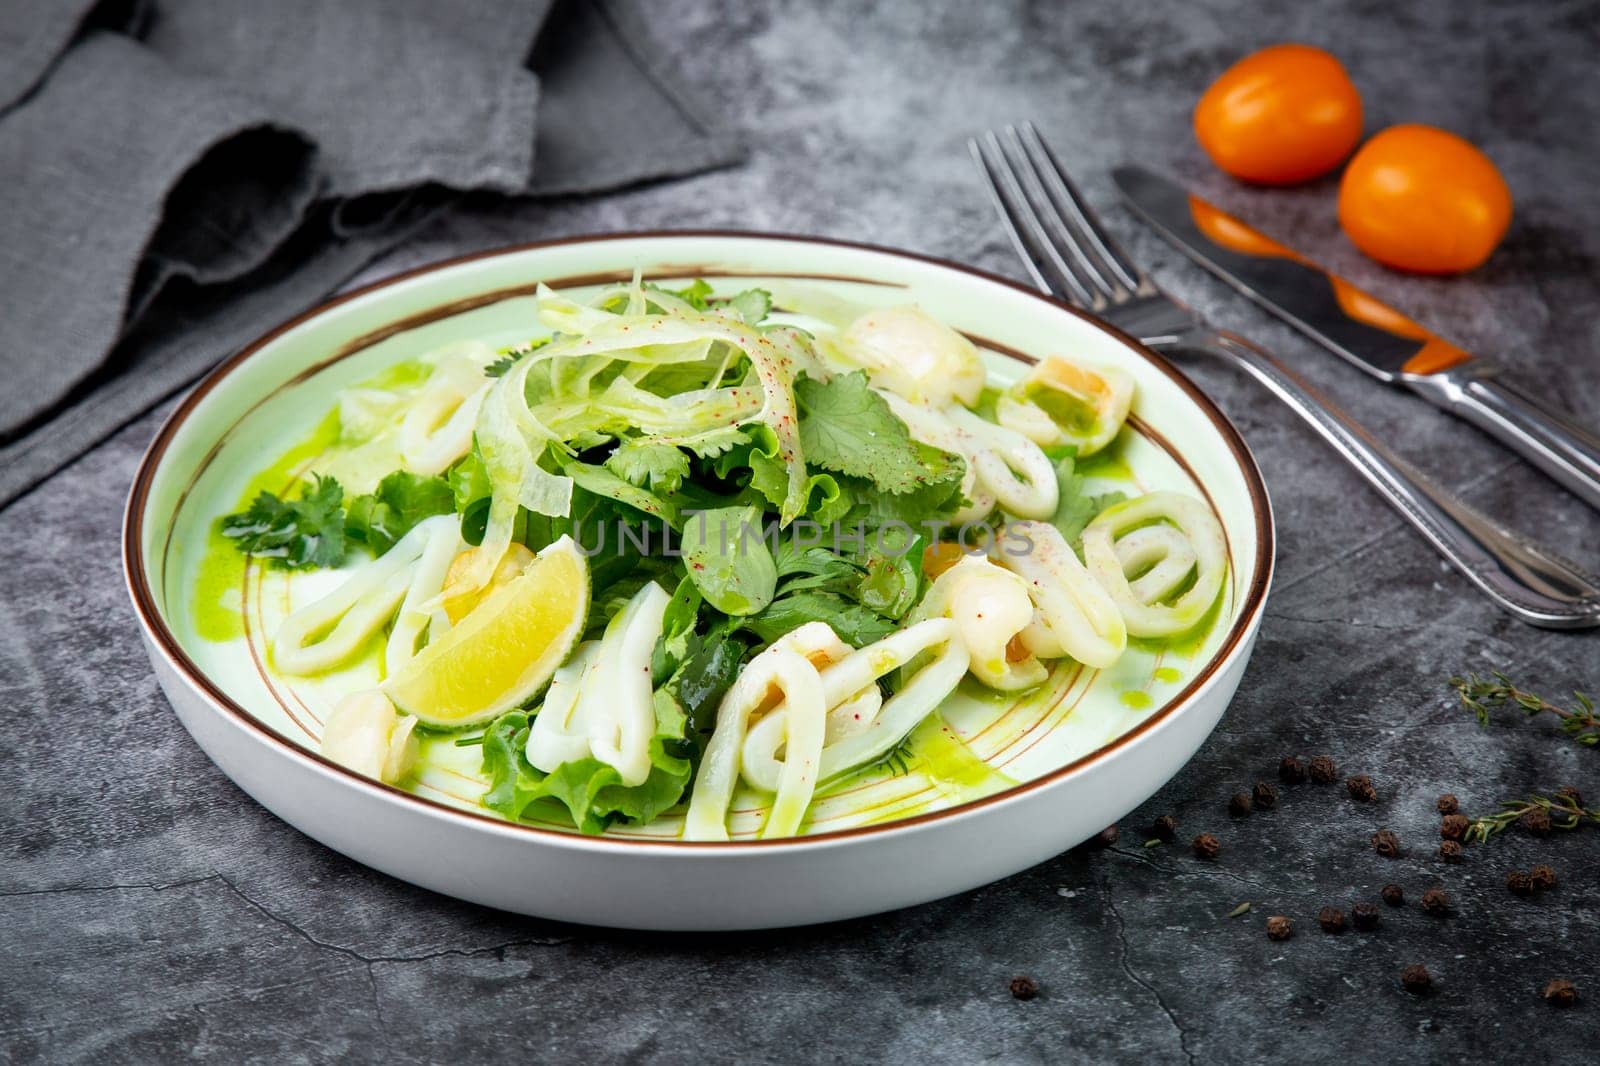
column 1027, row 778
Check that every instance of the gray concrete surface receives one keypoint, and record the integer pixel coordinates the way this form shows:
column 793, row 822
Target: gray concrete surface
column 149, row 911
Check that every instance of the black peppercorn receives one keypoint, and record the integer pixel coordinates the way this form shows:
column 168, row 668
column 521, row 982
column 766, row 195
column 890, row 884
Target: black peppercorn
column 1290, row 771
column 1385, row 843
column 1264, row 795
column 1279, row 928
column 1520, row 883
column 1543, row 877
column 1573, row 797
column 1206, row 846
column 1364, row 916
column 1394, row 895
column 1331, row 919
column 1435, row 902
column 1164, row 828
column 1323, row 771
column 1535, row 822
column 1454, row 826
column 1449, row 851
column 1416, row 978
column 1448, row 804
column 1024, row 987
column 1239, row 804
column 1561, row 993
column 1360, row 788
column 1106, row 837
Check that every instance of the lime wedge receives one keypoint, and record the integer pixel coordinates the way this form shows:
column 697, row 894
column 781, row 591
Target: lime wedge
column 503, row 650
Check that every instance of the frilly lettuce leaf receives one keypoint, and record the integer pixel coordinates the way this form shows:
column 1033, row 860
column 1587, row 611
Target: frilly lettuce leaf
column 591, row 791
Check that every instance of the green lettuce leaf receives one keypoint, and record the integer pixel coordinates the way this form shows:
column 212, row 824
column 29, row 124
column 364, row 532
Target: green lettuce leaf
column 856, row 625
column 728, row 560
column 603, row 482
column 591, row 791
column 893, row 581
column 508, row 356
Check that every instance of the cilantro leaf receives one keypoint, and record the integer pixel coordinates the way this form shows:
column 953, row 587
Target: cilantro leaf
column 714, row 442
column 695, row 294
column 1077, row 507
column 401, row 500
column 661, row 467
column 847, row 428
column 300, row 534
column 752, row 305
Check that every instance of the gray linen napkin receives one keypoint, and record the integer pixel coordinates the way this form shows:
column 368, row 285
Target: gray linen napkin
column 167, row 195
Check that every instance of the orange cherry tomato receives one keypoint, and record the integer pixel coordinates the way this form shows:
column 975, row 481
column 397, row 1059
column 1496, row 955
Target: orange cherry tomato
column 1424, row 200
column 1283, row 115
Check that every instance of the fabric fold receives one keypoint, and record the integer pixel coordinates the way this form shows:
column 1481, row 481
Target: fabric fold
column 88, row 197
column 171, row 192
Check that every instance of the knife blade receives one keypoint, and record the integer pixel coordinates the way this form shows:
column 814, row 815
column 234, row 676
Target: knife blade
column 1366, row 331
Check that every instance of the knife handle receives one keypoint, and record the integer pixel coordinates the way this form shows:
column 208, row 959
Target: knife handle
column 1548, row 438
column 1532, row 583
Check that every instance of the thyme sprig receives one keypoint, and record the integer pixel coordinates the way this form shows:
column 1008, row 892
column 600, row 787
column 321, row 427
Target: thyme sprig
column 1563, row 809
column 1478, row 694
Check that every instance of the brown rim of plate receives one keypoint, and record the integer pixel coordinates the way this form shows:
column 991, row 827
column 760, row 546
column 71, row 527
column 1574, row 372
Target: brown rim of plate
column 150, row 616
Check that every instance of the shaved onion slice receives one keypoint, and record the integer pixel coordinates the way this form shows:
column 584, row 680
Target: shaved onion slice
column 1191, row 520
column 1074, row 615
column 437, row 427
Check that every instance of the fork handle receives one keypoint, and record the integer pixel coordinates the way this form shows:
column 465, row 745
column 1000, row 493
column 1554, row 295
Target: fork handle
column 1533, row 584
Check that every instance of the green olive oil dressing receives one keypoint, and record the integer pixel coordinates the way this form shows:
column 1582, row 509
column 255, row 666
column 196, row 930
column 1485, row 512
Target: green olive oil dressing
column 218, row 606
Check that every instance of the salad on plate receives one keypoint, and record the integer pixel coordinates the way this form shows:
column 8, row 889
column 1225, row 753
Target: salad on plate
column 680, row 546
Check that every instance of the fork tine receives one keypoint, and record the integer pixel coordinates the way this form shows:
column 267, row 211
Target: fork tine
column 991, row 185
column 1066, row 241
column 1022, row 223
column 1071, row 202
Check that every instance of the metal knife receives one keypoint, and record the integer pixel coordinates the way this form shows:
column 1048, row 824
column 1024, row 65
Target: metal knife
column 1367, row 332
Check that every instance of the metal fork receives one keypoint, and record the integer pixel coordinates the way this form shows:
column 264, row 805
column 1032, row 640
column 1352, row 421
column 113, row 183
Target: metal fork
column 1071, row 257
